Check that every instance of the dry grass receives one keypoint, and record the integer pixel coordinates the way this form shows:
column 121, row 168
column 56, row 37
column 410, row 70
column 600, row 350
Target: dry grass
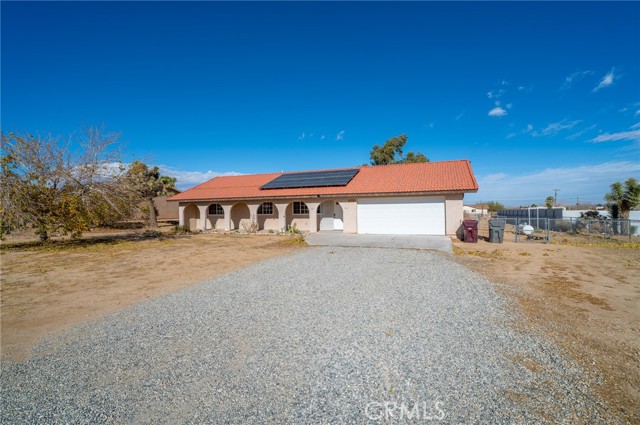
column 48, row 287
column 584, row 297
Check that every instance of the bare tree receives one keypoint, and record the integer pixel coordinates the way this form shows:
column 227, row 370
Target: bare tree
column 62, row 187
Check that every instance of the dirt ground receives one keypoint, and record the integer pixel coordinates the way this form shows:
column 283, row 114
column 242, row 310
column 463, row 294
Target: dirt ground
column 585, row 298
column 48, row 289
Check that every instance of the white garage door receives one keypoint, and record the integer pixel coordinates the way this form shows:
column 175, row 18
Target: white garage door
column 401, row 216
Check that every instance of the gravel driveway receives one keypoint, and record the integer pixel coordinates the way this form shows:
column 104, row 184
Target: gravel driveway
column 325, row 335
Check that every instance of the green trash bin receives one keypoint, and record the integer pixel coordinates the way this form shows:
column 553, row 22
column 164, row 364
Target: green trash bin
column 496, row 230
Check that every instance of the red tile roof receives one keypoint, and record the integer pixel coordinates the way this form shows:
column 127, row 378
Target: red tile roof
column 445, row 176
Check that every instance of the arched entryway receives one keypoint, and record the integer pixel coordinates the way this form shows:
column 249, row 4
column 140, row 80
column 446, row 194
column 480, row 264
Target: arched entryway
column 240, row 216
column 191, row 217
column 330, row 216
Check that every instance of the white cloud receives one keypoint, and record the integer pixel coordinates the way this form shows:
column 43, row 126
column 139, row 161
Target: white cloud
column 581, row 132
column 636, row 125
column 497, row 112
column 528, row 129
column 590, row 182
column 613, row 137
column 301, row 136
column 187, row 179
column 606, row 81
column 322, row 137
column 431, row 124
column 340, row 135
column 556, row 127
column 574, row 77
column 459, row 116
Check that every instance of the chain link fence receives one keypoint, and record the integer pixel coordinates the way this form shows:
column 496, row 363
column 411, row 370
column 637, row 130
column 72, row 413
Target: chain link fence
column 545, row 230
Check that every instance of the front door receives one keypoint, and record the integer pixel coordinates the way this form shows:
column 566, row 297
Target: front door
column 337, row 217
column 326, row 215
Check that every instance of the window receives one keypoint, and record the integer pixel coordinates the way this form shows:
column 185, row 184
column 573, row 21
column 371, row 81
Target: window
column 216, row 209
column 266, row 208
column 300, row 208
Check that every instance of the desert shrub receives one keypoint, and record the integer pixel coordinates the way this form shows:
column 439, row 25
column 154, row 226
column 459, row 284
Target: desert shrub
column 293, row 230
column 181, row 230
column 297, row 239
column 251, row 227
column 561, row 226
column 151, row 234
column 591, row 215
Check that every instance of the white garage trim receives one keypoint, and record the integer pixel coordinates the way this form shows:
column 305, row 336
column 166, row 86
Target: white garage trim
column 401, row 216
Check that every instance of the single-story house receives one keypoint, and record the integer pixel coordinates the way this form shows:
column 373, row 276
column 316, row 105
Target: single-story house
column 420, row 198
column 167, row 210
column 475, row 209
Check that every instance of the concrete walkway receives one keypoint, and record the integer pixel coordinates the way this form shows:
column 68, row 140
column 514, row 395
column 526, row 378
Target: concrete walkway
column 439, row 243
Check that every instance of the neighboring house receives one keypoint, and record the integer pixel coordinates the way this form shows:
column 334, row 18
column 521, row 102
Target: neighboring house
column 167, row 210
column 421, row 198
column 475, row 209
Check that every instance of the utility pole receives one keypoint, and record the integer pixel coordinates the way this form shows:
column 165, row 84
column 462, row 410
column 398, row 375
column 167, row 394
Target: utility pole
column 577, row 201
column 555, row 197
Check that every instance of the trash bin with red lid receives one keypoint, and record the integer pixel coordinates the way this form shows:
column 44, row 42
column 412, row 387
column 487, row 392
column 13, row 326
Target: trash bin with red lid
column 470, row 231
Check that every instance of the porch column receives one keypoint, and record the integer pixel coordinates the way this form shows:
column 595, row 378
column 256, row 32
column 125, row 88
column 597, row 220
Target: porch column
column 313, row 216
column 181, row 215
column 227, row 217
column 282, row 216
column 253, row 212
column 202, row 223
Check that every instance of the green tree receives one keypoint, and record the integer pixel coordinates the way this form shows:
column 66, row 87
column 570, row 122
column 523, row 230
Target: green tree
column 494, row 206
column 391, row 153
column 57, row 187
column 623, row 197
column 149, row 183
column 549, row 201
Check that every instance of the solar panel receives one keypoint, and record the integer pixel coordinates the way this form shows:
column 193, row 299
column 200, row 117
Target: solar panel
column 312, row 179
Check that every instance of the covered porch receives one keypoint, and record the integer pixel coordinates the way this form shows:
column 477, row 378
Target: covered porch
column 278, row 216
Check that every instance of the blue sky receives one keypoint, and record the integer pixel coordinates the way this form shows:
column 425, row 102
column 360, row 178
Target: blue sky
column 539, row 96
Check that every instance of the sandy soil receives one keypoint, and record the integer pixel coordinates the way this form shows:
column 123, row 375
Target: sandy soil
column 46, row 290
column 585, row 298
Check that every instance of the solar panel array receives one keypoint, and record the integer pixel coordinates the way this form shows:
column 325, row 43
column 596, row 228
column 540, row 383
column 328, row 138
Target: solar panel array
column 312, row 179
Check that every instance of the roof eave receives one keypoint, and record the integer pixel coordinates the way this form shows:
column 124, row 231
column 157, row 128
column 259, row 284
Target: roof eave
column 330, row 195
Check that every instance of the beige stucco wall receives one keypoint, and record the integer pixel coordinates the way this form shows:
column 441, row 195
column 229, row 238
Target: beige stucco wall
column 301, row 221
column 167, row 210
column 453, row 204
column 349, row 215
column 215, row 221
column 269, row 221
column 241, row 214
